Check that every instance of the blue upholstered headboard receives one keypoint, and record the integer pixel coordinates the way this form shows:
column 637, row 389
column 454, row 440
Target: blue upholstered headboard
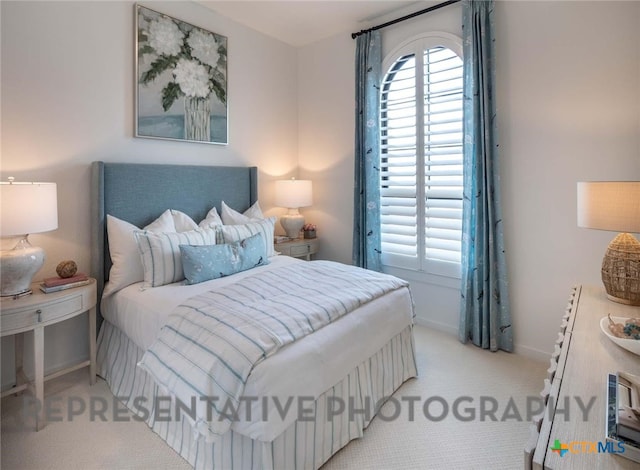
column 139, row 193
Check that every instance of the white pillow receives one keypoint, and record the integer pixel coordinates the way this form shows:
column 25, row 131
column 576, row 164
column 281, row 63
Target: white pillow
column 212, row 219
column 234, row 233
column 231, row 217
column 182, row 221
column 127, row 266
column 160, row 253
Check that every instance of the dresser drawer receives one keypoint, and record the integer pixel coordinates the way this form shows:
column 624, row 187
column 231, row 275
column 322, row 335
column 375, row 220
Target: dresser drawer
column 27, row 317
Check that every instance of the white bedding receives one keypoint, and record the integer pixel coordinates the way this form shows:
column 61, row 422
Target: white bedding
column 142, row 313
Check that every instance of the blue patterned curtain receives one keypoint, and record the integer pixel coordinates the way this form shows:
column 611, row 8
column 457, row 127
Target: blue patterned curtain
column 366, row 213
column 484, row 314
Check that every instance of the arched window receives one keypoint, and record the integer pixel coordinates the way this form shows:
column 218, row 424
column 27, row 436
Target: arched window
column 421, row 156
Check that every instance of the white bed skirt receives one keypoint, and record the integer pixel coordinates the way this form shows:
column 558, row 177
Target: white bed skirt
column 303, row 445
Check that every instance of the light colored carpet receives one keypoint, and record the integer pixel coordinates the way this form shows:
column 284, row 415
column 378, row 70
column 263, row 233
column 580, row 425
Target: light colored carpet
column 448, row 371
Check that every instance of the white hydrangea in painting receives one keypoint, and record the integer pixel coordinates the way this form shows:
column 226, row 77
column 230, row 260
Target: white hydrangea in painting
column 192, row 78
column 204, row 47
column 182, row 80
column 165, row 37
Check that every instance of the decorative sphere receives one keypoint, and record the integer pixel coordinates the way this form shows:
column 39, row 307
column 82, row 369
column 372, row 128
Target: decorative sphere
column 67, row 268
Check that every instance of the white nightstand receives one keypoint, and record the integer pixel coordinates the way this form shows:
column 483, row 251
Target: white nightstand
column 299, row 248
column 31, row 314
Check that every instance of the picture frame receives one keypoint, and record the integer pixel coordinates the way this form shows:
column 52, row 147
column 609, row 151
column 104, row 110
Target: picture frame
column 181, row 80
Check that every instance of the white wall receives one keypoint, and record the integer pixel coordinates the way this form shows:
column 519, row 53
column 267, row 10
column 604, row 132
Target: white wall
column 68, row 99
column 568, row 80
column 568, row 98
column 326, row 113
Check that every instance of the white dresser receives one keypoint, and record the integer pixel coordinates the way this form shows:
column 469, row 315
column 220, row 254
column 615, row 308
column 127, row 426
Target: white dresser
column 580, row 364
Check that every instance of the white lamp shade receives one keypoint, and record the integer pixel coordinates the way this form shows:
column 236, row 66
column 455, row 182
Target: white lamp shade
column 293, row 193
column 27, row 208
column 609, row 205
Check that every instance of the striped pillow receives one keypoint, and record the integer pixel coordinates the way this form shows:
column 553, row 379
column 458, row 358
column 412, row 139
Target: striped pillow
column 235, row 233
column 160, row 253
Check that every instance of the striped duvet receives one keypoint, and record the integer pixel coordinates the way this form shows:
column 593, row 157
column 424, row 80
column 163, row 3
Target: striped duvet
column 204, row 354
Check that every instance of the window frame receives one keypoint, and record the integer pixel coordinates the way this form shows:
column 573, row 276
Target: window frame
column 416, row 46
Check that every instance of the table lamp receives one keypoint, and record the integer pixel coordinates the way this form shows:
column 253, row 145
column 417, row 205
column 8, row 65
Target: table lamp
column 293, row 194
column 24, row 208
column 615, row 206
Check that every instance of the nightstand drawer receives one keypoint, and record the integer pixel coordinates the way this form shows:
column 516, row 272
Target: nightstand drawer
column 300, row 250
column 30, row 316
column 283, row 249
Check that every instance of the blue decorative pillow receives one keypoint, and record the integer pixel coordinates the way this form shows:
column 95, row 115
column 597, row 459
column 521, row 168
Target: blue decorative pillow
column 206, row 262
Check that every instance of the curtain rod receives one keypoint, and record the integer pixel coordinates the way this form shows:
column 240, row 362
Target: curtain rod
column 408, row 17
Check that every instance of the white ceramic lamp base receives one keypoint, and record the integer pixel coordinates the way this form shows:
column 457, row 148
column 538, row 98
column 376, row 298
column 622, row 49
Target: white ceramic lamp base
column 292, row 223
column 18, row 266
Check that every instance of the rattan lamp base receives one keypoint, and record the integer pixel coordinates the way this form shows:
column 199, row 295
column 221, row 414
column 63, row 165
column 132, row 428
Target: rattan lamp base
column 621, row 270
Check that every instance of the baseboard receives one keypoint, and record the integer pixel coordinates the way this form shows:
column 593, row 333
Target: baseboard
column 434, row 325
column 520, row 350
column 51, row 369
column 532, row 353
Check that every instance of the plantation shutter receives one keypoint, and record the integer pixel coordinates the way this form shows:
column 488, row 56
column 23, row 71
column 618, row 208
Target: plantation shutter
column 443, row 154
column 421, row 172
column 398, row 192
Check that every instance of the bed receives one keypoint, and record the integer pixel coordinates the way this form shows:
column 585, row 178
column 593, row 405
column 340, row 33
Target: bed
column 305, row 401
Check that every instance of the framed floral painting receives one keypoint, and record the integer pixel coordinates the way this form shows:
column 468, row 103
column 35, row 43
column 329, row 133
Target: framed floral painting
column 181, row 75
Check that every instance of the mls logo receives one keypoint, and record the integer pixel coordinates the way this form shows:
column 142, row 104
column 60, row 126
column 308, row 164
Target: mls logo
column 587, row 447
column 559, row 448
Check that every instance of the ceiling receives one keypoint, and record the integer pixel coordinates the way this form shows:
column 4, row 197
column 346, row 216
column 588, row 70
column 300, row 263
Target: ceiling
column 303, row 22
